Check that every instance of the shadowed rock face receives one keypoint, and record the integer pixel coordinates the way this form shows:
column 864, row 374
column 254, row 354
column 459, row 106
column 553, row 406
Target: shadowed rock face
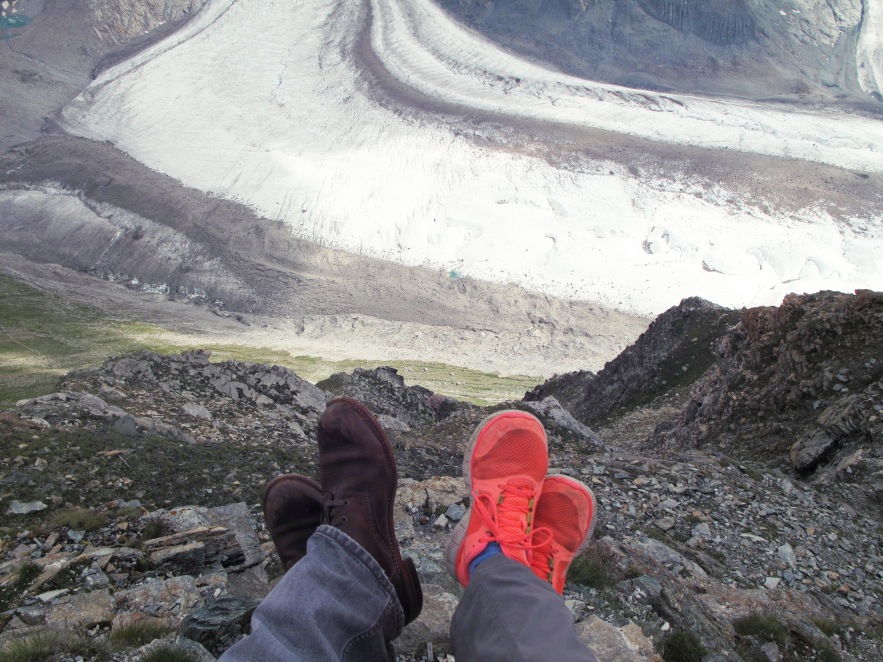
column 721, row 22
column 802, row 382
column 119, row 20
column 674, row 351
column 799, row 50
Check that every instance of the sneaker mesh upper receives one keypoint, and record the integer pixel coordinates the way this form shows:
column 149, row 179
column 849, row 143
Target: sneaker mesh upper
column 566, row 508
column 514, row 453
column 504, row 468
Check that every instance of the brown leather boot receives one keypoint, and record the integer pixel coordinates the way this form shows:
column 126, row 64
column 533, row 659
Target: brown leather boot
column 292, row 510
column 358, row 473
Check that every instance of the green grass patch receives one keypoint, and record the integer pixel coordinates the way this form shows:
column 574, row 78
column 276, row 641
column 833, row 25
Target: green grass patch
column 872, row 631
column 594, row 569
column 168, row 654
column 49, row 645
column 764, row 625
column 718, row 555
column 658, row 535
column 825, row 652
column 753, row 473
column 9, row 592
column 138, row 633
column 127, row 513
column 69, row 577
column 634, row 571
column 79, row 519
column 31, row 649
column 771, row 529
column 479, row 388
column 42, row 337
column 828, row 625
column 157, row 471
column 28, row 573
column 682, row 646
column 155, row 528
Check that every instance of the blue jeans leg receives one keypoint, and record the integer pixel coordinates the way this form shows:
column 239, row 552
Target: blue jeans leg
column 335, row 604
column 508, row 614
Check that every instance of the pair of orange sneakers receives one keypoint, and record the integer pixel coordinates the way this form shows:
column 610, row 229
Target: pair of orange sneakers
column 541, row 521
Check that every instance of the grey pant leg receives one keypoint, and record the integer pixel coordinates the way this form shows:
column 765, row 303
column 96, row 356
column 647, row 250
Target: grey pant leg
column 336, row 603
column 508, row 613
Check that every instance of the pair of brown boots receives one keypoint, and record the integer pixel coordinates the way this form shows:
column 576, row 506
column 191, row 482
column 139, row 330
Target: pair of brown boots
column 355, row 494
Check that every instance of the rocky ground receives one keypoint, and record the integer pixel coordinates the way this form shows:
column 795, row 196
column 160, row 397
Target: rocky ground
column 132, row 519
column 735, row 455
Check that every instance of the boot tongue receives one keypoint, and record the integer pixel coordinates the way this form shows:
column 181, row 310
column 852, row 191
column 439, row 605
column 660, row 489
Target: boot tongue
column 331, row 510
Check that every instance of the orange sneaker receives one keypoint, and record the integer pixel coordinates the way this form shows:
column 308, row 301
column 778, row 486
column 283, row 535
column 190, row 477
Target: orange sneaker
column 504, row 467
column 567, row 508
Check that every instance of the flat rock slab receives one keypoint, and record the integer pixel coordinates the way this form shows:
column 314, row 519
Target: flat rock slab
column 196, row 652
column 251, row 583
column 161, row 598
column 234, row 517
column 219, row 544
column 613, row 644
column 85, row 610
column 25, row 508
column 432, row 625
column 811, row 449
column 185, row 559
column 220, row 623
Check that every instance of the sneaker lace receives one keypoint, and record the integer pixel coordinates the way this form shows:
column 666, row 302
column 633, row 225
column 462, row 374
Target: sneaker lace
column 543, row 557
column 509, row 519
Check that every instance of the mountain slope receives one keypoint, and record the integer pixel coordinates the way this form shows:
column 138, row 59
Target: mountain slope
column 671, row 353
column 802, row 382
column 801, row 51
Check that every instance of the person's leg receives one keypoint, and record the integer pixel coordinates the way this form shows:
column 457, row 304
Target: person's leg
column 359, row 476
column 508, row 613
column 504, row 467
column 512, row 549
column 336, row 603
column 348, row 592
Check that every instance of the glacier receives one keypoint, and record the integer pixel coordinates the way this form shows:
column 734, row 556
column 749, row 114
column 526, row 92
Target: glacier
column 274, row 104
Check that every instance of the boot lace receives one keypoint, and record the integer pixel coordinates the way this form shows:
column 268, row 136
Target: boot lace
column 331, row 514
column 543, row 559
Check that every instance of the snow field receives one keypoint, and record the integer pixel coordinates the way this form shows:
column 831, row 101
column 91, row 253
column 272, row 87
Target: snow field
column 259, row 102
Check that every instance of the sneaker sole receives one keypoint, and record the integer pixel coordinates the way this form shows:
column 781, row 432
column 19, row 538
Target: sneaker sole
column 453, row 547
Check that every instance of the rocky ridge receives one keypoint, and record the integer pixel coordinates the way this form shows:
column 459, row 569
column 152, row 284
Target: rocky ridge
column 119, row 20
column 672, row 352
column 694, row 542
column 801, row 382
